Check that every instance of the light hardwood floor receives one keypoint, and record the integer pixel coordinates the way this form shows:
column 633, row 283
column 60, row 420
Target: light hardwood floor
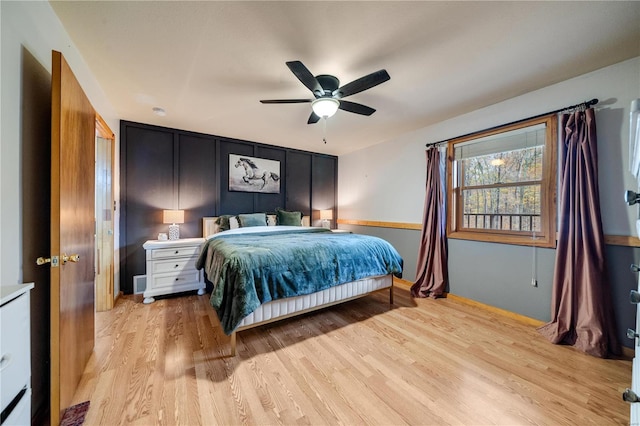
column 363, row 362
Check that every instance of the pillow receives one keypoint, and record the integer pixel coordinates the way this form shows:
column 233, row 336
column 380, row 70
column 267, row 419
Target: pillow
column 253, row 219
column 223, row 222
column 271, row 220
column 286, row 218
column 233, row 222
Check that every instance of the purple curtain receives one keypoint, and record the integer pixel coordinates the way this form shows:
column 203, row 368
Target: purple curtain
column 582, row 313
column 431, row 275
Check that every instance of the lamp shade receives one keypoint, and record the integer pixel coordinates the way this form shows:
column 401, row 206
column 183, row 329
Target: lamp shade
column 325, row 107
column 173, row 216
column 326, row 214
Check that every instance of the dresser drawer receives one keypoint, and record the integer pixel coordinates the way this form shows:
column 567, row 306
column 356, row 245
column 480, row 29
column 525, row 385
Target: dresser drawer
column 175, row 252
column 171, row 280
column 15, row 358
column 174, row 265
column 21, row 413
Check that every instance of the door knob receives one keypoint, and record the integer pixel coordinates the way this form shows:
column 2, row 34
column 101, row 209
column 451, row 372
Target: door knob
column 630, row 396
column 71, row 258
column 631, row 333
column 634, row 268
column 634, row 297
column 53, row 260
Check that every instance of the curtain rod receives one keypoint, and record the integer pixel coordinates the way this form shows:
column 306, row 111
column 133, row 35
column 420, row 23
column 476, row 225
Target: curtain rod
column 586, row 104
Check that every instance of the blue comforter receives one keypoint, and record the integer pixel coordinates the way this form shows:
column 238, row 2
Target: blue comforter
column 248, row 270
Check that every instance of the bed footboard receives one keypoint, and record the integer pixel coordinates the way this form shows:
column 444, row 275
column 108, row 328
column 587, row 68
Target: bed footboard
column 286, row 308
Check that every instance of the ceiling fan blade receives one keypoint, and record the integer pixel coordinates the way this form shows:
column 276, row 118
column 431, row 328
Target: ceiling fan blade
column 363, row 83
column 305, row 77
column 313, row 118
column 356, row 108
column 285, row 101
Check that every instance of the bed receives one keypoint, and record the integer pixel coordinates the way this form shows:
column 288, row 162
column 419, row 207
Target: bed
column 262, row 274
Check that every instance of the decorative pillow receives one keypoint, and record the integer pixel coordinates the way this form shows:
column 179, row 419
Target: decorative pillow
column 271, row 220
column 253, row 219
column 233, row 222
column 286, row 218
column 223, row 222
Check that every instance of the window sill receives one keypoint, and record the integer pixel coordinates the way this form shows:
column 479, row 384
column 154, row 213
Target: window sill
column 503, row 239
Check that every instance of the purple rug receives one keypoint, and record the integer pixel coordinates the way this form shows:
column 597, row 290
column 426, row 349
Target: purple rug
column 74, row 415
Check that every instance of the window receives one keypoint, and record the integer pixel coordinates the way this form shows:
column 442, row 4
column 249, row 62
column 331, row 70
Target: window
column 501, row 184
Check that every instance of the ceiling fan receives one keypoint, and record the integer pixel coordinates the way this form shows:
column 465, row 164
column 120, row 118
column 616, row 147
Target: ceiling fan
column 328, row 93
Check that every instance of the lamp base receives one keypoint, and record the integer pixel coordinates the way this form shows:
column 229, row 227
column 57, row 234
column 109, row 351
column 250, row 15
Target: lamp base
column 325, row 223
column 174, row 232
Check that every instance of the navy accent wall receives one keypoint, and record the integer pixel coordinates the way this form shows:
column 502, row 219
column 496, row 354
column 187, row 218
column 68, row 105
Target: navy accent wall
column 163, row 168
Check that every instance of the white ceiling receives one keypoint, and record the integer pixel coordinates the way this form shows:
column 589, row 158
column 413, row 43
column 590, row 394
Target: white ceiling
column 209, row 63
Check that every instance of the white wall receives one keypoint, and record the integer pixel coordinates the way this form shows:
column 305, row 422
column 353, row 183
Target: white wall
column 386, row 182
column 34, row 27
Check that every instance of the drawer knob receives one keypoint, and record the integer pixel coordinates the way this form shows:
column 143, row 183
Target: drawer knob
column 631, row 197
column 630, row 396
column 634, row 297
column 5, row 361
column 177, row 251
column 176, row 266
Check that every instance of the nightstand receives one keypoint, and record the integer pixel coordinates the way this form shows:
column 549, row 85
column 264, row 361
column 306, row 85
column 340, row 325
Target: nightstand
column 171, row 267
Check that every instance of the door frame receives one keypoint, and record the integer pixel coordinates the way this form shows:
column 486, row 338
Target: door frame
column 104, row 296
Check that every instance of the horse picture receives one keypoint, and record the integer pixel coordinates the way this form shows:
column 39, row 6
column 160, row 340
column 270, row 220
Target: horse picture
column 253, row 174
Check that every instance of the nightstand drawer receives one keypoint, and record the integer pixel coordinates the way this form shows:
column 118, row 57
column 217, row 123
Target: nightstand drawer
column 174, row 265
column 169, row 280
column 175, row 252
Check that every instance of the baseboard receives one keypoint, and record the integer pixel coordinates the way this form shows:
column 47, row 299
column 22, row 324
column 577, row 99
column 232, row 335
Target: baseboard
column 400, row 281
column 522, row 318
column 518, row 317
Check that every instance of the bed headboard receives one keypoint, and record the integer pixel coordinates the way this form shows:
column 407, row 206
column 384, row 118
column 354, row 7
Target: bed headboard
column 210, row 227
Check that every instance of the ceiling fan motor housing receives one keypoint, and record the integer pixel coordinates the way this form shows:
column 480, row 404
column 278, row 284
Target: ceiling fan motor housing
column 329, row 83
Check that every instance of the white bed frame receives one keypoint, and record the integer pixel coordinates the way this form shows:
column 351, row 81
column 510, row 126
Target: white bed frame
column 297, row 305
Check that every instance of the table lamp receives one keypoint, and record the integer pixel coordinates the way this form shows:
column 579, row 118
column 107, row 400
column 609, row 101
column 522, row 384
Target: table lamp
column 174, row 217
column 325, row 218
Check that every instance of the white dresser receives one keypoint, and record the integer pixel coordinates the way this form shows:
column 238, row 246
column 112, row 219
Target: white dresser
column 15, row 354
column 171, row 267
column 632, row 394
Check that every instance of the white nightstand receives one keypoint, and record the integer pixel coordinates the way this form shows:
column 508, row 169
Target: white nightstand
column 171, row 267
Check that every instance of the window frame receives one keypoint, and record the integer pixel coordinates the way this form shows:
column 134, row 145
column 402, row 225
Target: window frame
column 547, row 235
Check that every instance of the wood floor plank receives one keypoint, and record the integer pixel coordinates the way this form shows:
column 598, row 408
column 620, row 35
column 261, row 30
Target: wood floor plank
column 363, row 362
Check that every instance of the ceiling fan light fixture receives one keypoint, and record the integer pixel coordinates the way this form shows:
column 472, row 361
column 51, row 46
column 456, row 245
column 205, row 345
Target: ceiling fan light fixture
column 325, row 107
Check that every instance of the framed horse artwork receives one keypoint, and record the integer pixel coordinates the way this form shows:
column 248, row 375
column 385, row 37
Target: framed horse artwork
column 250, row 174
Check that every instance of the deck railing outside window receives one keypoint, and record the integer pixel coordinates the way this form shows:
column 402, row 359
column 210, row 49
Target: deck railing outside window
column 502, row 221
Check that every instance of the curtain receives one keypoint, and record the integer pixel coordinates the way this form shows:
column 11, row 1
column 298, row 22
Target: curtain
column 581, row 307
column 431, row 275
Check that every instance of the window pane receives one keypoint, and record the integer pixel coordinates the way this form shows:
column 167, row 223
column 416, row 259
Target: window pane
column 514, row 208
column 505, row 167
column 525, row 137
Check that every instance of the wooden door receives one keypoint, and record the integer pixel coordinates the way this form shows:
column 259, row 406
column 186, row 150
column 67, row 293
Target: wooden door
column 72, row 234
